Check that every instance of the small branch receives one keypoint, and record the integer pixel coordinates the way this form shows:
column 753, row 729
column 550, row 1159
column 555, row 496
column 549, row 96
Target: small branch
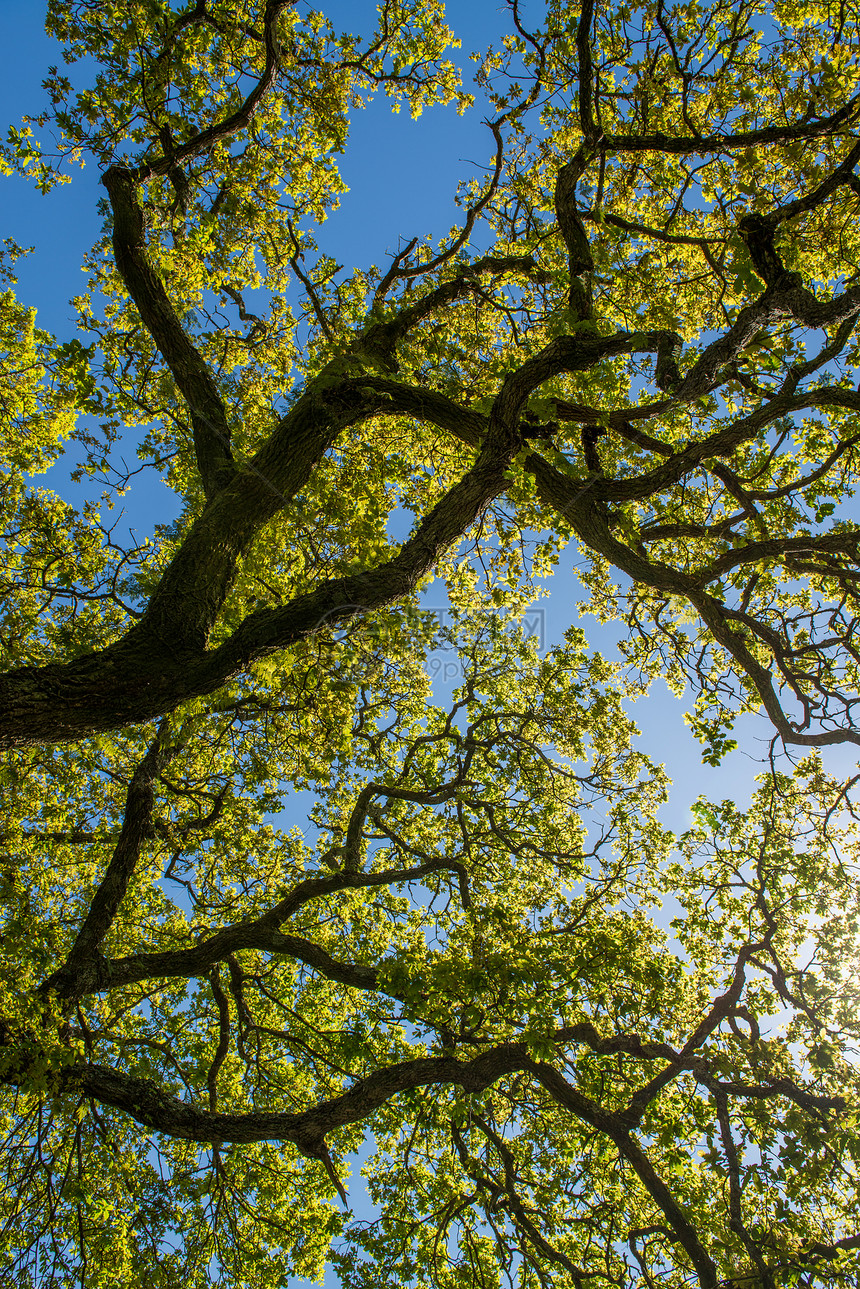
column 704, row 145
column 319, row 312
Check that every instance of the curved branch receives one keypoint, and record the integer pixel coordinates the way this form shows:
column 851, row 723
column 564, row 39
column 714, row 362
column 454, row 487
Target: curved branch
column 781, row 548
column 702, row 145
column 397, row 271
column 380, row 338
column 264, row 933
column 85, row 963
column 723, row 442
column 239, row 119
column 144, row 1101
column 192, row 376
column 843, row 174
column 578, row 503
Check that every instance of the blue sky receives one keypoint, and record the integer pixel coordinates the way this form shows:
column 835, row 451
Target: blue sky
column 402, row 177
column 431, row 155
column 428, row 157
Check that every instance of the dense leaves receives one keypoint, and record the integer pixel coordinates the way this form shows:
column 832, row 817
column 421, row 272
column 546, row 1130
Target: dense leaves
column 272, row 900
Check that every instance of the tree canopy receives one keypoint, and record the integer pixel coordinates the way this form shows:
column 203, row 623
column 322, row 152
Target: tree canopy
column 268, row 899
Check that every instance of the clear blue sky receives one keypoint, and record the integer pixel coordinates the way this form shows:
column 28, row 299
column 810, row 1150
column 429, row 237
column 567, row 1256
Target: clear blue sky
column 402, row 176
column 429, row 155
column 428, row 158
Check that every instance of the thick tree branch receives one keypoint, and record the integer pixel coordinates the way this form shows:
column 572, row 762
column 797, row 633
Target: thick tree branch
column 145, row 1102
column 586, row 74
column 615, row 1128
column 580, row 260
column 193, row 378
column 85, row 963
column 162, row 661
column 722, row 443
column 843, row 174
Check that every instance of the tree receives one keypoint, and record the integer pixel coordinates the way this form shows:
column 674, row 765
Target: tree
column 638, row 347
